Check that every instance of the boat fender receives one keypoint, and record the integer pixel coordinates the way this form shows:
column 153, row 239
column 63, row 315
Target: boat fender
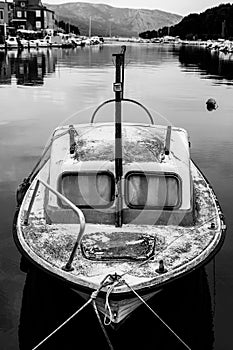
column 21, row 191
column 211, row 104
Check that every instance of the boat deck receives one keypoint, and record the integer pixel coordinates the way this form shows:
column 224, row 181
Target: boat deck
column 180, row 248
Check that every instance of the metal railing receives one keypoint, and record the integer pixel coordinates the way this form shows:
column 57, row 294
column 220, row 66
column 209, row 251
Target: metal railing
column 77, row 211
column 124, row 100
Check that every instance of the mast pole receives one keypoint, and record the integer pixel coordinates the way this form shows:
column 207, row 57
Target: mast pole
column 89, row 27
column 118, row 89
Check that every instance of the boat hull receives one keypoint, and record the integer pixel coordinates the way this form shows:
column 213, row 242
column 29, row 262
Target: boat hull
column 121, row 304
column 128, row 281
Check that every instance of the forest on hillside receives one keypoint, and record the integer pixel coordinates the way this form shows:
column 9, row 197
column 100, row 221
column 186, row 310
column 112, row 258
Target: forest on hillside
column 214, row 23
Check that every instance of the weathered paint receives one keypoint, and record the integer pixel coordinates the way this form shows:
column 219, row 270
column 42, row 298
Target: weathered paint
column 143, row 150
column 181, row 248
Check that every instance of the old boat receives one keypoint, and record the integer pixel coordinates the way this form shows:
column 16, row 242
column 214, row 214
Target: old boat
column 117, row 211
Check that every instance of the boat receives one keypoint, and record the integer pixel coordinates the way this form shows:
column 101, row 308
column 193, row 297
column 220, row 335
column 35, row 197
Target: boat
column 117, row 211
column 48, row 294
column 13, row 42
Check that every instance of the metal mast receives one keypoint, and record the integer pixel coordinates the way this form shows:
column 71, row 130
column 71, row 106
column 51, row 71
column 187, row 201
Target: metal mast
column 118, row 88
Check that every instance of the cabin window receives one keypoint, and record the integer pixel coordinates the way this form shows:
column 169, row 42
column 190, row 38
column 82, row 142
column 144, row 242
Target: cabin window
column 90, row 190
column 1, row 14
column 151, row 191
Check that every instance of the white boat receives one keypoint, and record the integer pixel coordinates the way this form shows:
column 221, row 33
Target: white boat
column 117, row 211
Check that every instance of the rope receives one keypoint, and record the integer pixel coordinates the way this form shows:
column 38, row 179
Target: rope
column 101, row 324
column 105, row 283
column 152, row 256
column 164, row 323
column 107, row 307
column 108, row 311
column 160, row 252
column 94, row 294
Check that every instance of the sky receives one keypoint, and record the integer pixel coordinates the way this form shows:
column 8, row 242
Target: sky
column 181, row 7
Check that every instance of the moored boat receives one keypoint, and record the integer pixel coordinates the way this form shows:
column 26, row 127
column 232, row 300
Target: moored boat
column 118, row 209
column 14, row 42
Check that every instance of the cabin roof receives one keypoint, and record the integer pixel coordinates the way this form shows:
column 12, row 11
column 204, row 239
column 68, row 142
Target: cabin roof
column 139, row 143
column 143, row 150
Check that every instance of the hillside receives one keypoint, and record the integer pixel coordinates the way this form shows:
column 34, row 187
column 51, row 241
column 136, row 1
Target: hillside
column 107, row 20
column 214, row 23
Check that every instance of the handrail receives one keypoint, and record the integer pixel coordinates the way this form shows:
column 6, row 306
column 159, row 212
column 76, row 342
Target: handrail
column 123, row 99
column 78, row 212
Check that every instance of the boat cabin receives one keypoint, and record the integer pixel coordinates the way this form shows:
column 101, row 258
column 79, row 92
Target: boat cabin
column 156, row 185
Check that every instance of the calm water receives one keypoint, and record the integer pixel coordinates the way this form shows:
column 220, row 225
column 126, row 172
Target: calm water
column 38, row 90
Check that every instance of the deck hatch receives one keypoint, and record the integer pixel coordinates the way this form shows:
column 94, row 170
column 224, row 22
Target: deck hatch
column 118, row 246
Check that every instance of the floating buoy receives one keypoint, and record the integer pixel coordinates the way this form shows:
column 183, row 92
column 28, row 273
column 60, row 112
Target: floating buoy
column 211, row 104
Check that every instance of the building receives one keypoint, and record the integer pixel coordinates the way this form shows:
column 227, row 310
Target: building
column 32, row 15
column 4, row 19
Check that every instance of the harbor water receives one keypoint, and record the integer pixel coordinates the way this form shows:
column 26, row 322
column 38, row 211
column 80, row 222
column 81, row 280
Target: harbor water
column 40, row 89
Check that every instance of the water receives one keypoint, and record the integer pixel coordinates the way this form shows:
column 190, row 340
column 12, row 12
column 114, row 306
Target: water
column 38, row 91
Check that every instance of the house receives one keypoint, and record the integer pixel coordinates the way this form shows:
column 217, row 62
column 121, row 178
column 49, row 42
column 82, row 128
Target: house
column 32, row 15
column 4, row 20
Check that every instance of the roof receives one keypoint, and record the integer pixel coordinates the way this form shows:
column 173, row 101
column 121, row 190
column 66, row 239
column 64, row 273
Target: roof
column 143, row 149
column 139, row 143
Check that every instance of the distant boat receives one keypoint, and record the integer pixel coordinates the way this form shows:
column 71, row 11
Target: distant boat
column 13, row 42
column 117, row 210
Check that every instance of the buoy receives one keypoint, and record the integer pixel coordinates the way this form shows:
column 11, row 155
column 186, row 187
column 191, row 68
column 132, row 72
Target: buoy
column 211, row 104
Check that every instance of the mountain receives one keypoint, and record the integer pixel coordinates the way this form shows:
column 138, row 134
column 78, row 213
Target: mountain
column 107, row 20
column 214, row 23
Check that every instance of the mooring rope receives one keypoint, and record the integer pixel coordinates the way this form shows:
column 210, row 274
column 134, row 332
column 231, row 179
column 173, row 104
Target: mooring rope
column 101, row 324
column 164, row 323
column 93, row 296
column 108, row 311
column 113, row 284
column 167, row 246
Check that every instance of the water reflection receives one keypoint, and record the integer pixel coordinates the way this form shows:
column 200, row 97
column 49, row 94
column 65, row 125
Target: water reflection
column 28, row 67
column 210, row 64
column 185, row 306
column 75, row 79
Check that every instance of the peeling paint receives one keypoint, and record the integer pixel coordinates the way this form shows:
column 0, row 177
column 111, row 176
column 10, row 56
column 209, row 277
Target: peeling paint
column 175, row 245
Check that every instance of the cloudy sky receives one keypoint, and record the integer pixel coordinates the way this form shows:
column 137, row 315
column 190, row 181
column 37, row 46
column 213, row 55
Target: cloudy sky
column 181, row 7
